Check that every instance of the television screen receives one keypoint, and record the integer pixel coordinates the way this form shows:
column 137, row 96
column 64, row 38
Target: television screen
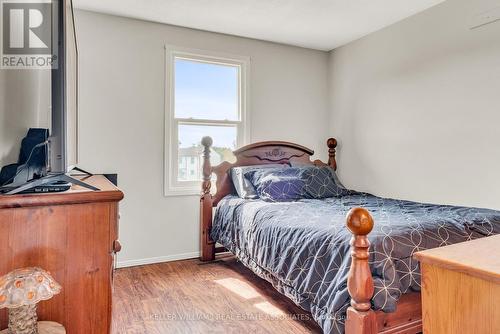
column 71, row 89
column 59, row 57
column 64, row 129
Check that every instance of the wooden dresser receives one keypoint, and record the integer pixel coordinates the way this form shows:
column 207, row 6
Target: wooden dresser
column 73, row 235
column 461, row 287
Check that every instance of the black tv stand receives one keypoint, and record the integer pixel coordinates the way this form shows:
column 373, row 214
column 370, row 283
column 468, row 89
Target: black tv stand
column 50, row 179
column 82, row 171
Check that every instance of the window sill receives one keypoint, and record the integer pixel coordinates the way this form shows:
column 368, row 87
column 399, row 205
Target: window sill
column 174, row 192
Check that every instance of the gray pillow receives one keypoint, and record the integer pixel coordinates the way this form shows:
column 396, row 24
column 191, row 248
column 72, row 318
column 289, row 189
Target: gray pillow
column 242, row 185
column 334, row 174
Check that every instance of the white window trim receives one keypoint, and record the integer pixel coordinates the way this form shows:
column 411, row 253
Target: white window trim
column 171, row 185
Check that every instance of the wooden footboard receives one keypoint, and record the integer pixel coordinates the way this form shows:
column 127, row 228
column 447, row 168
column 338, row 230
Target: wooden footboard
column 361, row 318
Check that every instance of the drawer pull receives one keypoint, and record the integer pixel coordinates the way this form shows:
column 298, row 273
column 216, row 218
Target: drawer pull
column 117, row 246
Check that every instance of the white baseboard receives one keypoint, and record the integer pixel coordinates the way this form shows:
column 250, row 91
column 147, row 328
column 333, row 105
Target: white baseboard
column 159, row 259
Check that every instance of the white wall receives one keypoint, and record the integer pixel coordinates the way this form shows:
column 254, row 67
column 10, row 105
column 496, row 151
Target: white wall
column 416, row 107
column 24, row 103
column 122, row 85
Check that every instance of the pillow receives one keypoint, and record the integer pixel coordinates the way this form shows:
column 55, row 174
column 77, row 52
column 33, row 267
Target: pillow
column 289, row 184
column 277, row 185
column 322, row 182
column 242, row 185
column 335, row 177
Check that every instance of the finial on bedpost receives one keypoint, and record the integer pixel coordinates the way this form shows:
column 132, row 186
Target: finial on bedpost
column 332, row 145
column 360, row 317
column 207, row 246
column 207, row 168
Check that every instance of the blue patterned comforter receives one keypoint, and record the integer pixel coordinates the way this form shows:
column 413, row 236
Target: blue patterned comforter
column 302, row 247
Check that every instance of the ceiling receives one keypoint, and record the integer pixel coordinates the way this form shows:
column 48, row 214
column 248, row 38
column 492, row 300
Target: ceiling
column 315, row 24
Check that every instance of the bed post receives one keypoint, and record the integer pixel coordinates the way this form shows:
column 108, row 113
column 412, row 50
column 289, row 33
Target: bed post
column 332, row 145
column 360, row 316
column 207, row 246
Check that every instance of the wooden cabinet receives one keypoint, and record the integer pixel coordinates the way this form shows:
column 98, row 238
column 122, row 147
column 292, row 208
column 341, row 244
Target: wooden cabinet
column 461, row 287
column 74, row 236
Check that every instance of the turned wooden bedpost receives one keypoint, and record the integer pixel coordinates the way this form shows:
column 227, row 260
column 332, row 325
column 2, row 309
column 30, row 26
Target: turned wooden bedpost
column 360, row 317
column 207, row 246
column 332, row 145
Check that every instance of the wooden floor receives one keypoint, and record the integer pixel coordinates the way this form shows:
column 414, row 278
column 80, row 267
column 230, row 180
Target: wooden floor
column 194, row 297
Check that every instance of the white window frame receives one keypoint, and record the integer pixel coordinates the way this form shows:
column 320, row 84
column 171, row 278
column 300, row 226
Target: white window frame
column 172, row 186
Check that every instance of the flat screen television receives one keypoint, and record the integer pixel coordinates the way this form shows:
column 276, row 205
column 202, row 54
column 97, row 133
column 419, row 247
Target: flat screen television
column 63, row 149
column 62, row 144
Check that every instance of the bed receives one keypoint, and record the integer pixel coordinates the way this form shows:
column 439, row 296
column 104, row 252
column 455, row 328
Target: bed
column 356, row 279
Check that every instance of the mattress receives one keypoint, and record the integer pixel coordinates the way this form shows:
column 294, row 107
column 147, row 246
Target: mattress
column 302, row 247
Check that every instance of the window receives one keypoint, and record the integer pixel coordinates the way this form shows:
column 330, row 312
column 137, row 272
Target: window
column 206, row 96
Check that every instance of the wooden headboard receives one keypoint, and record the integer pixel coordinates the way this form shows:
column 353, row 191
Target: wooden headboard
column 266, row 152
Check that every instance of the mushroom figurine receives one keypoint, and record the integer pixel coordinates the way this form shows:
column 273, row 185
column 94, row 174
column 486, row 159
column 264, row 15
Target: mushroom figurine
column 20, row 291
